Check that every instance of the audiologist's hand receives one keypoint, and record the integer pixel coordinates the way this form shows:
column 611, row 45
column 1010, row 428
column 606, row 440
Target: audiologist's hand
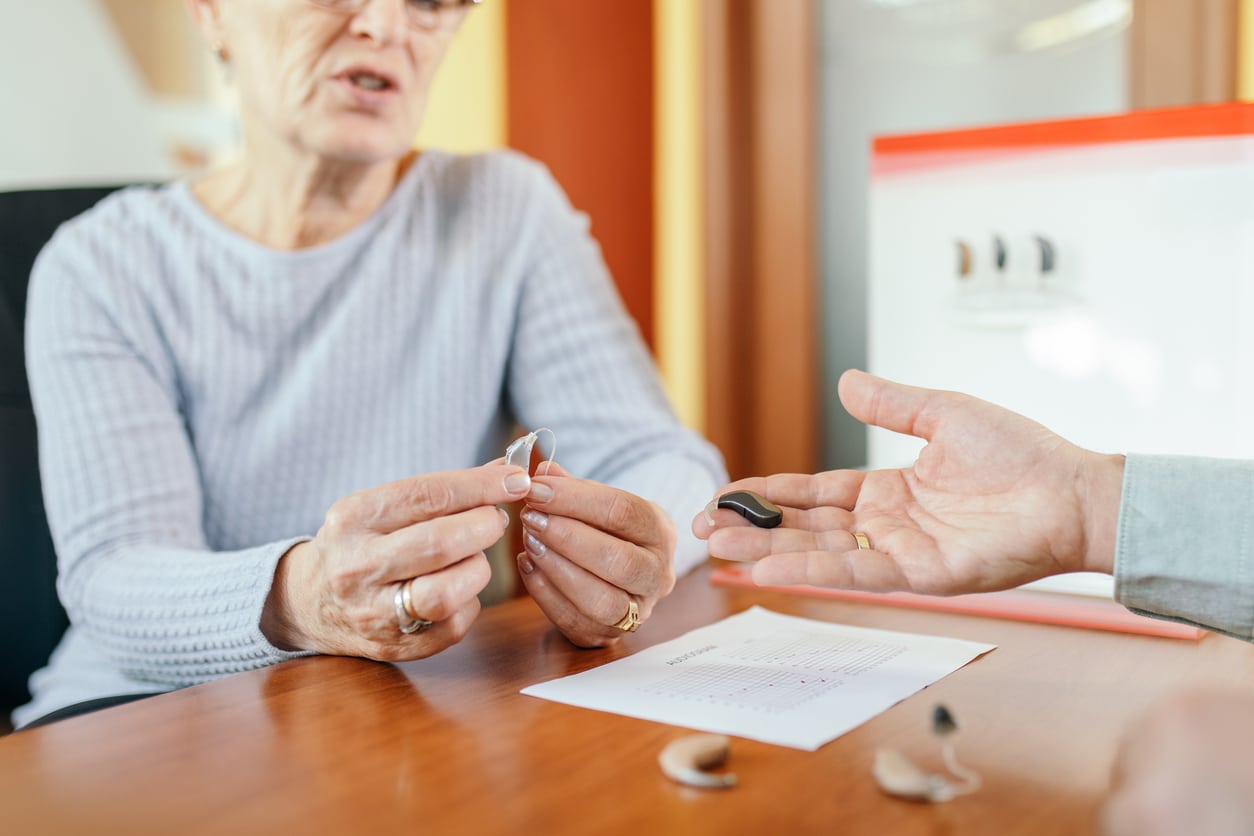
column 1185, row 769
column 994, row 500
column 337, row 593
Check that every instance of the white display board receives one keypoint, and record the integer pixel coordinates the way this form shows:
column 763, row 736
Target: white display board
column 1141, row 339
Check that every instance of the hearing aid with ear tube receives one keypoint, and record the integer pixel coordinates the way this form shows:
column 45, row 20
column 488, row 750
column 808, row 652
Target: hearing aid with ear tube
column 897, row 775
column 518, row 452
column 756, row 509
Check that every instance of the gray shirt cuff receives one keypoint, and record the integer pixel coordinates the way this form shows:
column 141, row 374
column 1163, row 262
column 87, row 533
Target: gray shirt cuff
column 1183, row 546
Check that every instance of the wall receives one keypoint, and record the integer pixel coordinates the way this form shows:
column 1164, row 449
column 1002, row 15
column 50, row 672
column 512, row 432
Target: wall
column 679, row 211
column 75, row 106
column 581, row 100
column 467, row 107
column 127, row 92
column 1245, row 50
column 885, row 71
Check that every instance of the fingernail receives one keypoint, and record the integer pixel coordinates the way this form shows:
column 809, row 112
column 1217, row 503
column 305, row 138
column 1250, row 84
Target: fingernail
column 504, row 517
column 535, row 519
column 518, row 483
column 525, row 565
column 540, row 492
column 534, row 546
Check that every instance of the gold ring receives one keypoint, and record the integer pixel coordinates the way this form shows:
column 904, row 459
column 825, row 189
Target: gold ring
column 863, row 543
column 406, row 619
column 630, row 622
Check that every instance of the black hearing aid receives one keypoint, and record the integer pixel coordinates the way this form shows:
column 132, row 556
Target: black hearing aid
column 756, row 509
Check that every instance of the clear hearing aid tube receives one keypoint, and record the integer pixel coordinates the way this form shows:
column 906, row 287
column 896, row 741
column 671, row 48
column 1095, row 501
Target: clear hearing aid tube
column 518, row 452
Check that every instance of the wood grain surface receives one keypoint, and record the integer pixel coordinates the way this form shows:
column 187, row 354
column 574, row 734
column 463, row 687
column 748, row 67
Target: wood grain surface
column 447, row 745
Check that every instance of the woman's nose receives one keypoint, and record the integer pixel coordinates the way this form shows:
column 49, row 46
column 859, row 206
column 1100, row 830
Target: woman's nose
column 382, row 21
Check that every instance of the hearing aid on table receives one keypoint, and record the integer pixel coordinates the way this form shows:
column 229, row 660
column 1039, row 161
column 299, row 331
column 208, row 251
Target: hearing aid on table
column 896, row 774
column 756, row 509
column 687, row 759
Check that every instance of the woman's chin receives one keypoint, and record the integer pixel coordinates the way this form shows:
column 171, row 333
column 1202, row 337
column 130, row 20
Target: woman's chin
column 363, row 147
column 366, row 154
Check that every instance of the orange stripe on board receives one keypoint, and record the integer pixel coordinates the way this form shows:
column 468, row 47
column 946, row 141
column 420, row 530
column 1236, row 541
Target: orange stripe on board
column 1229, row 119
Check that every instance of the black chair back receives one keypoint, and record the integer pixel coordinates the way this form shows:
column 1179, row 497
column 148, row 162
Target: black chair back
column 31, row 618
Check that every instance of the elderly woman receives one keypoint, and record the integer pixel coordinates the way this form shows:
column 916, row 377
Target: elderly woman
column 265, row 395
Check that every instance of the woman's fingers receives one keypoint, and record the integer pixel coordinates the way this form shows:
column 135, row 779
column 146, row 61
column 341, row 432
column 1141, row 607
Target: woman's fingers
column 441, row 635
column 591, row 550
column 438, row 595
column 426, row 547
column 616, row 512
column 616, row 561
column 337, row 594
column 396, row 505
column 447, row 598
column 582, row 606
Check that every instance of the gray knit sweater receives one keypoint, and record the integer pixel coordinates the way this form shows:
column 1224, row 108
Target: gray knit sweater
column 202, row 399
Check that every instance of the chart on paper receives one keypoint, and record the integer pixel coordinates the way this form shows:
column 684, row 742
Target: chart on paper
column 767, row 676
column 773, row 675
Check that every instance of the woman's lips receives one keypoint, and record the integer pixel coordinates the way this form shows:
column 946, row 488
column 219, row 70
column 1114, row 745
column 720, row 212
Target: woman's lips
column 367, row 88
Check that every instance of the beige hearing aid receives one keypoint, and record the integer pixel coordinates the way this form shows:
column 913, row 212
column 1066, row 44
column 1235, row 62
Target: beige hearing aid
column 897, row 775
column 685, row 759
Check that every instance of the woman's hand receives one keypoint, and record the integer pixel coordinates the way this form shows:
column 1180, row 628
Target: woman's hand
column 994, row 500
column 589, row 550
column 336, row 594
column 1184, row 769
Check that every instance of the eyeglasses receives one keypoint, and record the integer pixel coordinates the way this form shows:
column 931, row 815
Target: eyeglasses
column 432, row 15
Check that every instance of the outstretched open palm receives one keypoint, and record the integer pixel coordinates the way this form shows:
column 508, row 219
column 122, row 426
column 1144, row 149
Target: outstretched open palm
column 994, row 500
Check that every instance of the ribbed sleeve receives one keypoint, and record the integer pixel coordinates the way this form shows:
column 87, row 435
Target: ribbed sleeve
column 202, row 400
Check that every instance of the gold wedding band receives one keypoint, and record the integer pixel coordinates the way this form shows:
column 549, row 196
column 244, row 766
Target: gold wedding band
column 630, row 622
column 863, row 543
column 406, row 619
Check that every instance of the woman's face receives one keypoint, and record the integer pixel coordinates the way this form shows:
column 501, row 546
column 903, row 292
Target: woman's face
column 348, row 86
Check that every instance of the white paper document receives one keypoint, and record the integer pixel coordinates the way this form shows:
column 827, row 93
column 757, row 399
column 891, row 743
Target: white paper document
column 766, row 676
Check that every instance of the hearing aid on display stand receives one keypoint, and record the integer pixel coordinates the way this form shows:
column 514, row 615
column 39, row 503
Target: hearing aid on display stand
column 1048, row 255
column 1000, row 254
column 966, row 259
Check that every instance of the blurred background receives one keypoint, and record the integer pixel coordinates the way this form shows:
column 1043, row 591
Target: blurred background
column 722, row 148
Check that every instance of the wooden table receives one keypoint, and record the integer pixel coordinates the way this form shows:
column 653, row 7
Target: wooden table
column 448, row 746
